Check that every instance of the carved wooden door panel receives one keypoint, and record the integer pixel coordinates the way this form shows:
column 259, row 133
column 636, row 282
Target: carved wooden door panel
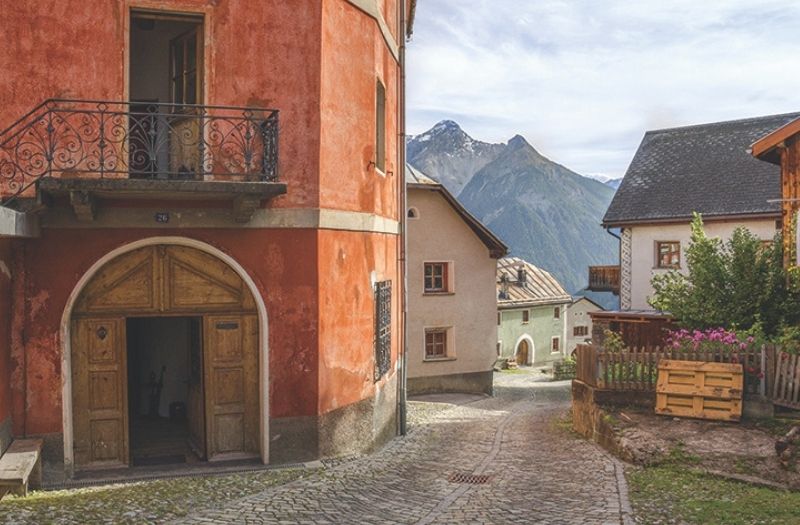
column 231, row 382
column 99, row 392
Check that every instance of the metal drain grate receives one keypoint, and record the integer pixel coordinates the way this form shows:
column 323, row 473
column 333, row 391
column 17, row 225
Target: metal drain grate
column 472, row 479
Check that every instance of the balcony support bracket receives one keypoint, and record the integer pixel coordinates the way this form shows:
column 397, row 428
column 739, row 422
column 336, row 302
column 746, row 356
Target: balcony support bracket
column 244, row 206
column 83, row 204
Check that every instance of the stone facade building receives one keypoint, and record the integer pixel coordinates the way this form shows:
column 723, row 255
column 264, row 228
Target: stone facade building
column 676, row 172
column 201, row 228
column 531, row 314
column 452, row 261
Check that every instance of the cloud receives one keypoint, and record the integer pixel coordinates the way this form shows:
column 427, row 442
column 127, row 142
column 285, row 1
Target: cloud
column 583, row 80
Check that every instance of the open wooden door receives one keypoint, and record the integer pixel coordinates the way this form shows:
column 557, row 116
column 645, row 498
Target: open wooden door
column 196, row 402
column 186, row 89
column 231, row 384
column 99, row 392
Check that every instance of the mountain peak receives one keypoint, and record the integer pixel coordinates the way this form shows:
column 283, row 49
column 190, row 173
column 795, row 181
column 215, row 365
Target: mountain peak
column 518, row 141
column 446, row 125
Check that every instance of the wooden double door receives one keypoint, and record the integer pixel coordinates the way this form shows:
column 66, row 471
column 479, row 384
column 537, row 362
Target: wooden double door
column 223, row 399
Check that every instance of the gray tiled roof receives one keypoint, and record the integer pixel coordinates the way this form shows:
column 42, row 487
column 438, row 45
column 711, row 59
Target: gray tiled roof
column 704, row 168
column 539, row 288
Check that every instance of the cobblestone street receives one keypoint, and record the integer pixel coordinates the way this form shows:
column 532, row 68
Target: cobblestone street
column 538, row 472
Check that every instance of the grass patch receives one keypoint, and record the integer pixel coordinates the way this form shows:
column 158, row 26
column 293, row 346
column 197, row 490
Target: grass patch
column 512, row 371
column 678, row 456
column 671, row 494
column 563, row 423
column 776, row 426
column 139, row 502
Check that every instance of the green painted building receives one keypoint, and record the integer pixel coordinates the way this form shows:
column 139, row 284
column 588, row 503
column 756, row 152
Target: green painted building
column 531, row 314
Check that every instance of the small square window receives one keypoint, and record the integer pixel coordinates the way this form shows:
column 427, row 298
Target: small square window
column 436, row 277
column 435, row 343
column 526, row 316
column 556, row 345
column 557, row 312
column 668, row 254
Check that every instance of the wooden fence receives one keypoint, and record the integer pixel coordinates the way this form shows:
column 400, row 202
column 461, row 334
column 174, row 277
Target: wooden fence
column 768, row 371
column 785, row 389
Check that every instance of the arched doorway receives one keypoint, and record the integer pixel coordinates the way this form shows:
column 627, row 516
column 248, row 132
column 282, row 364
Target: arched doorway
column 522, row 355
column 128, row 313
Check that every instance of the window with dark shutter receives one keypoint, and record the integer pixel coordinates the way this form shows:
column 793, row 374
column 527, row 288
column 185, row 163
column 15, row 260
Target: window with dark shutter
column 435, row 343
column 383, row 328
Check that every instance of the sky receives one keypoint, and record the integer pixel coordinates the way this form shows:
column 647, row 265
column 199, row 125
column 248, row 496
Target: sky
column 583, row 80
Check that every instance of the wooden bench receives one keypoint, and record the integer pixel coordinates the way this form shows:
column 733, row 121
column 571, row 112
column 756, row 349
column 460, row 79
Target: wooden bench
column 20, row 466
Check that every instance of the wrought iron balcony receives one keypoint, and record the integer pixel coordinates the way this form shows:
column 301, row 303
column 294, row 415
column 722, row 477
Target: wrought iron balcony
column 604, row 279
column 87, row 139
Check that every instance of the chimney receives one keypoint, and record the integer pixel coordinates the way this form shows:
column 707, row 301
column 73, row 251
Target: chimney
column 522, row 276
column 504, row 287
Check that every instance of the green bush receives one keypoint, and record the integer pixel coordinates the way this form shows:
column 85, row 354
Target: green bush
column 740, row 284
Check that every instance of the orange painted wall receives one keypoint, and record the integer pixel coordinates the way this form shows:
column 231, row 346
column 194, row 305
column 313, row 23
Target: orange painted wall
column 281, row 262
column 347, row 306
column 259, row 52
column 315, row 61
column 5, row 329
column 354, row 57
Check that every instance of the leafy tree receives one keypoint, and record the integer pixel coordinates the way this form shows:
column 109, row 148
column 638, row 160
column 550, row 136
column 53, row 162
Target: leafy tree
column 739, row 284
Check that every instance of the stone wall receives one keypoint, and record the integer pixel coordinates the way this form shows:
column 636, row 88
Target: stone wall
column 471, row 383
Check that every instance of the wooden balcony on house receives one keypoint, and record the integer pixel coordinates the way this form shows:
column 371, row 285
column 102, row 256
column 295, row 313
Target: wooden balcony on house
column 89, row 149
column 604, row 279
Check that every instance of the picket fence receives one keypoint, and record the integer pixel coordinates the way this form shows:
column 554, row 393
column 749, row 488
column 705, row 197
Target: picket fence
column 769, row 371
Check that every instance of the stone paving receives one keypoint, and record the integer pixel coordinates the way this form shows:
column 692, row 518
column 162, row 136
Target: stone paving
column 538, row 472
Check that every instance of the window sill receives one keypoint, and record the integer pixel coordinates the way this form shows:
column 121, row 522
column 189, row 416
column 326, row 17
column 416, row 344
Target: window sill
column 665, row 268
column 438, row 293
column 380, row 172
column 437, row 359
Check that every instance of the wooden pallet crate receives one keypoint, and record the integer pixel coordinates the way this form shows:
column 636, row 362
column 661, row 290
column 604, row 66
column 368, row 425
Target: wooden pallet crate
column 700, row 390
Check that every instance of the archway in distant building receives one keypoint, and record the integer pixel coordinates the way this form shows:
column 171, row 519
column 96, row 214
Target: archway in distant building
column 523, row 353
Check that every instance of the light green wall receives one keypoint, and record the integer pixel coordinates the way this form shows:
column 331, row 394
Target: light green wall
column 541, row 328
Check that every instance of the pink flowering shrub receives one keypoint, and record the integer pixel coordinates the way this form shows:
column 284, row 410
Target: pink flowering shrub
column 716, row 341
column 709, row 340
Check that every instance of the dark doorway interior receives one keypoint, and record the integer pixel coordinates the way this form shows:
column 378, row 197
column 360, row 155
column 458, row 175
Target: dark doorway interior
column 165, row 390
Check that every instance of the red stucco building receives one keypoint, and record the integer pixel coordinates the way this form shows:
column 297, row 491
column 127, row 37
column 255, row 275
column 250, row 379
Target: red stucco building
column 201, row 236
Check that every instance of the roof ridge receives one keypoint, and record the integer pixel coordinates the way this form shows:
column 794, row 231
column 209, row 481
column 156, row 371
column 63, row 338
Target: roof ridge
column 724, row 122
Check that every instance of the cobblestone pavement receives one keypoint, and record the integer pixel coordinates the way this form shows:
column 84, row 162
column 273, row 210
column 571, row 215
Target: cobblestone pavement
column 538, row 472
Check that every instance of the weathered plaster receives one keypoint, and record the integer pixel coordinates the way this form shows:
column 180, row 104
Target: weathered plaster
column 541, row 327
column 17, row 224
column 439, row 234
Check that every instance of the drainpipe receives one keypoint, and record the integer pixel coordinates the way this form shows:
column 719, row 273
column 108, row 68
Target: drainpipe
column 619, row 260
column 402, row 242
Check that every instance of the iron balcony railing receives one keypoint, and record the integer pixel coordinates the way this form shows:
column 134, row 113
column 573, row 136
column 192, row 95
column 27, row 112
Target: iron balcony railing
column 105, row 139
column 604, row 278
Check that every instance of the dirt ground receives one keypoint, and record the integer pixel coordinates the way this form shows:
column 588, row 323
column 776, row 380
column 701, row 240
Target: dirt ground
column 743, row 450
